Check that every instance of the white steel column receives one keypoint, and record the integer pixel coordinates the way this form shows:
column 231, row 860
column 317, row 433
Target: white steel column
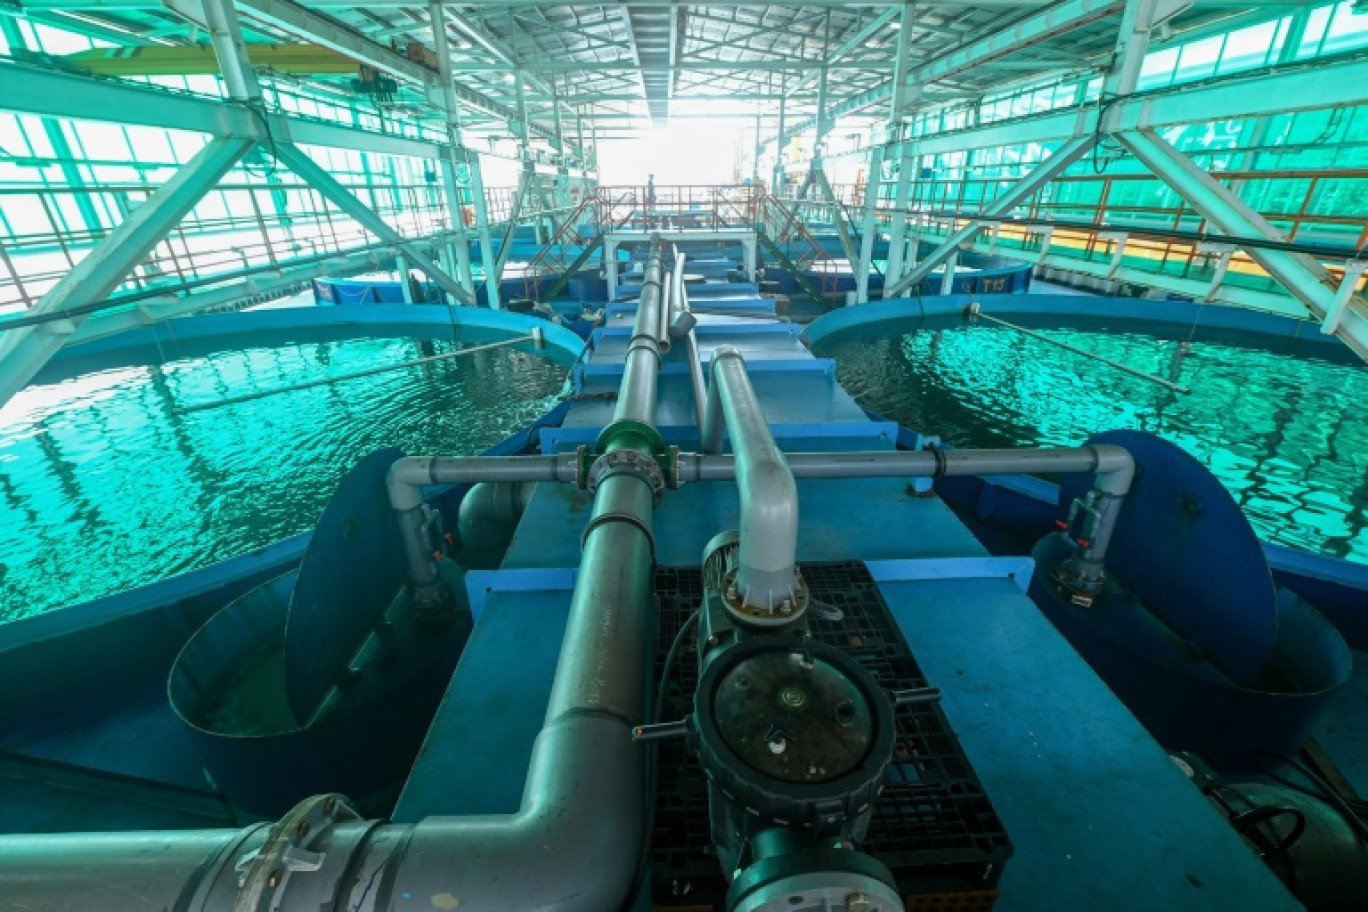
column 948, row 279
column 402, row 269
column 477, row 198
column 898, row 225
column 897, row 240
column 777, row 183
column 451, row 188
column 231, row 50
column 1013, row 196
column 868, row 227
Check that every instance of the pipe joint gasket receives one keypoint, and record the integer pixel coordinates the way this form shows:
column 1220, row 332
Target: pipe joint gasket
column 629, row 518
column 643, row 465
column 1096, row 459
column 939, row 455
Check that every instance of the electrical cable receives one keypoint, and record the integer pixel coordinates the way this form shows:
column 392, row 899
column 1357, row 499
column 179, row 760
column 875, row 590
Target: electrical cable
column 1359, row 807
column 1326, row 792
column 652, row 758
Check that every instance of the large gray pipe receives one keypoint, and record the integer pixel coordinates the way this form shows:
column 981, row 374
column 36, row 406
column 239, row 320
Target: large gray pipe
column 1112, row 464
column 637, row 396
column 573, row 846
column 767, row 573
column 682, row 326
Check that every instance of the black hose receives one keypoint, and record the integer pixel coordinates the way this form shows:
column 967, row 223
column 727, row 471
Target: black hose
column 652, row 760
column 1323, row 790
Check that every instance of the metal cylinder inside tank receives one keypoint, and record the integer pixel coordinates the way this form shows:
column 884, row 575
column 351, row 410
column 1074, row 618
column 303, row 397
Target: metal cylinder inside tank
column 228, row 687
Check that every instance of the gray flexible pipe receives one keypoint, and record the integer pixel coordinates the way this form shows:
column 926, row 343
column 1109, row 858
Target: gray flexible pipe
column 767, row 574
column 683, row 326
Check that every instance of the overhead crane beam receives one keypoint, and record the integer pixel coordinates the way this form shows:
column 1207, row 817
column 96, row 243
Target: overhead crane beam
column 1283, row 90
column 305, row 23
column 45, row 92
column 1056, row 20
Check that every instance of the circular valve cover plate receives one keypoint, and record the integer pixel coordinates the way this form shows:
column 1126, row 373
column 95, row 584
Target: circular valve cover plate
column 793, row 718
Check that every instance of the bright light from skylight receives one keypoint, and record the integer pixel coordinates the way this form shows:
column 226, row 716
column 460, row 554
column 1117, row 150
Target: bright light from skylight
column 685, row 154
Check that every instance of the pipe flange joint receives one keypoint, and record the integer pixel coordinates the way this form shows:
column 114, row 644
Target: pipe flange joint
column 665, row 457
column 290, row 847
column 642, row 464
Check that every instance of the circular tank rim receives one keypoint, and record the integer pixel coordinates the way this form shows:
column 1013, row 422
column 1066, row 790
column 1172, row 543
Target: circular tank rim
column 562, row 345
column 1264, row 329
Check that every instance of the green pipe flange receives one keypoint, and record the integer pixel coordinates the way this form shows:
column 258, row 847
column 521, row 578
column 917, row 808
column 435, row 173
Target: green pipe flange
column 655, row 444
column 666, row 457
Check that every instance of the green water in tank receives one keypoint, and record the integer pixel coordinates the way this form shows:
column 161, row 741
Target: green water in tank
column 1287, row 436
column 106, row 484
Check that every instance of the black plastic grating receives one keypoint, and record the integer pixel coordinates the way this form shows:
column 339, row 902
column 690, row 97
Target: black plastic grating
column 933, row 826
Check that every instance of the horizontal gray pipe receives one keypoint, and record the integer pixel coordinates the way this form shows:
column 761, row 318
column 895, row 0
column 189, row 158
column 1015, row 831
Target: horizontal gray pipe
column 572, row 847
column 1112, row 464
column 137, row 872
column 767, row 571
column 408, row 476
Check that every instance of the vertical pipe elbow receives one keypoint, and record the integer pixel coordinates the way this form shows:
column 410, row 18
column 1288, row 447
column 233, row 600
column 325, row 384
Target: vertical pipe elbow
column 404, row 481
column 769, row 532
column 767, row 573
column 1115, row 469
column 573, row 847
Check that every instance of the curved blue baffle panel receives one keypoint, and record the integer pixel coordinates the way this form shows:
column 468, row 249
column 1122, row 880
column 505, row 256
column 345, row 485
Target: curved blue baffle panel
column 1187, row 585
column 1186, row 549
column 322, row 680
column 354, row 565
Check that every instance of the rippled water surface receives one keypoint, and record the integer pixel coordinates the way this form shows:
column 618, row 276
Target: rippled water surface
column 1287, row 436
column 106, row 485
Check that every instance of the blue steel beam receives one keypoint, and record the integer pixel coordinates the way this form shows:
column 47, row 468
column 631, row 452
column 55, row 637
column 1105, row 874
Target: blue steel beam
column 24, row 351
